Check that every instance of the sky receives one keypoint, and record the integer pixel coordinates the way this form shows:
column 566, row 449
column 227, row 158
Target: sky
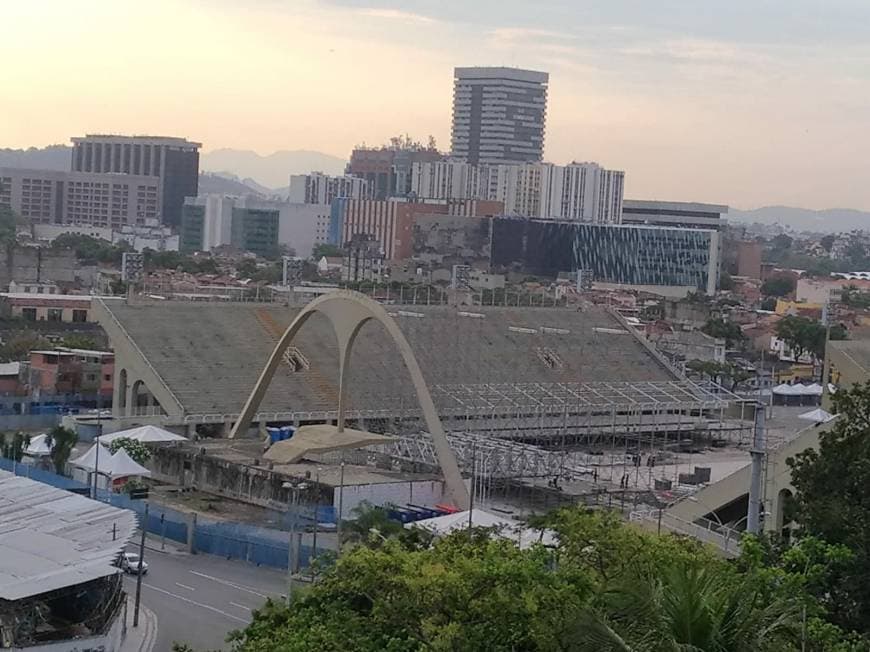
column 747, row 103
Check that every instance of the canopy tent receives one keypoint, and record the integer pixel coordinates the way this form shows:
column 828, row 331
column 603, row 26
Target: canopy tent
column 815, row 389
column 786, row 390
column 38, row 446
column 817, row 416
column 122, row 465
column 118, row 465
column 505, row 527
column 145, row 434
column 92, row 459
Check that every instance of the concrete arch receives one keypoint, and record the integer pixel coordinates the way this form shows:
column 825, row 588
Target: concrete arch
column 347, row 311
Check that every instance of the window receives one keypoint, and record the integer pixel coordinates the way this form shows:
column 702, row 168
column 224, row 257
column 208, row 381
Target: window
column 55, row 314
column 79, row 316
column 107, row 377
column 29, row 314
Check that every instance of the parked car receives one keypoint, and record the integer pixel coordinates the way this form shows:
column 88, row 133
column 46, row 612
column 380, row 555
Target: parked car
column 129, row 563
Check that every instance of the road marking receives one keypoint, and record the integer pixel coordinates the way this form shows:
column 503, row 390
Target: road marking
column 240, row 587
column 240, row 606
column 185, row 586
column 193, row 602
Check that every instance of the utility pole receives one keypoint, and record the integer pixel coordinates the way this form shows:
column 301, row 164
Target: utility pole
column 757, row 454
column 473, row 492
column 139, row 568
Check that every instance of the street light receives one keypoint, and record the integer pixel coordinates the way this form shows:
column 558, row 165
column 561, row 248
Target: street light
column 293, row 549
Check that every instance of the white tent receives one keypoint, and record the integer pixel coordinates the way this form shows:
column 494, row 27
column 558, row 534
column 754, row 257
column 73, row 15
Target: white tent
column 90, row 461
column 787, row 390
column 816, row 416
column 145, row 434
column 122, row 465
column 815, row 389
column 506, row 527
column 38, row 446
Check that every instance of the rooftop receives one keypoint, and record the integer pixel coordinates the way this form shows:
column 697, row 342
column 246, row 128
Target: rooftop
column 51, row 538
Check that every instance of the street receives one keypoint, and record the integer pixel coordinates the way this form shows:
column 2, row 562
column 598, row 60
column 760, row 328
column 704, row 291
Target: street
column 199, row 599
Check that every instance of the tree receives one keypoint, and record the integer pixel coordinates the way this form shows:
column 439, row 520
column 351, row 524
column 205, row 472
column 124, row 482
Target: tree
column 726, row 282
column 9, row 221
column 328, row 250
column 778, row 286
column 19, row 346
column 827, row 242
column 805, row 335
column 13, row 447
column 831, row 497
column 76, row 341
column 61, row 442
column 724, row 329
column 134, row 448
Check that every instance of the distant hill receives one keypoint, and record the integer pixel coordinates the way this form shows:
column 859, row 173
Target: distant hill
column 53, row 157
column 274, row 170
column 832, row 220
column 229, row 184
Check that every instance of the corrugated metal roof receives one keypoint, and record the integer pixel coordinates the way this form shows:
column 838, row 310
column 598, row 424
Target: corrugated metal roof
column 51, row 538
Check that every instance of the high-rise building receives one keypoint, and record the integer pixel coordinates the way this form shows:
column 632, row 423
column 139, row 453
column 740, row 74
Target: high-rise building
column 582, row 192
column 499, row 115
column 174, row 161
column 110, row 201
column 388, row 170
column 319, row 188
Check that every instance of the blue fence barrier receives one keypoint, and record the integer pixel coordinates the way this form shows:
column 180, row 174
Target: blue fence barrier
column 257, row 545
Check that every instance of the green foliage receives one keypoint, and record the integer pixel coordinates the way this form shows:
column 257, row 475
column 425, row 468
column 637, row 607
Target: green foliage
column 805, row 335
column 77, row 341
column 12, row 446
column 90, row 250
column 135, row 449
column 778, row 286
column 831, row 497
column 61, row 442
column 328, row 250
column 768, row 303
column 177, row 261
column 9, row 222
column 724, row 329
column 19, row 345
column 726, row 282
column 827, row 242
column 854, row 298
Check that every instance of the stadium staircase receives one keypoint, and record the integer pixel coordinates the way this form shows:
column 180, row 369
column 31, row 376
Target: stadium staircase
column 327, row 392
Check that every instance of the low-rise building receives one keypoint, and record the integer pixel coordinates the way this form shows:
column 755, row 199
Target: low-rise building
column 71, row 371
column 70, row 308
column 685, row 215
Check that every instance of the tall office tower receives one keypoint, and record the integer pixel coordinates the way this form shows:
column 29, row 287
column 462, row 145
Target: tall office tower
column 499, row 115
column 175, row 161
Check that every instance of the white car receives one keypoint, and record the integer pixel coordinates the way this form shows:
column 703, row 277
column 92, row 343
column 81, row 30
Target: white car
column 129, row 563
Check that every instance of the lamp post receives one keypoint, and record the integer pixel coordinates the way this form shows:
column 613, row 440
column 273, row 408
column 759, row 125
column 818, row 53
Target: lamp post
column 292, row 549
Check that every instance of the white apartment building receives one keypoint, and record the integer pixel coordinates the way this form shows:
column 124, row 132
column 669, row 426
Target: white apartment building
column 82, row 198
column 319, row 188
column 582, row 192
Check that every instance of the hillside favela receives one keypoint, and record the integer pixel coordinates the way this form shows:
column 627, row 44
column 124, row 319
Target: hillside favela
column 372, row 326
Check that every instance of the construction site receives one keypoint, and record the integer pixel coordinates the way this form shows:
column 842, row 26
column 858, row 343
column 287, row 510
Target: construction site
column 540, row 405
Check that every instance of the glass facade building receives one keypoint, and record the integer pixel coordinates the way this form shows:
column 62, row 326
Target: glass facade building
column 255, row 230
column 621, row 254
column 192, row 228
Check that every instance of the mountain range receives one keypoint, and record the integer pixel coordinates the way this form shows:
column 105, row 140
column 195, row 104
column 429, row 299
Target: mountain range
column 832, row 220
column 274, row 170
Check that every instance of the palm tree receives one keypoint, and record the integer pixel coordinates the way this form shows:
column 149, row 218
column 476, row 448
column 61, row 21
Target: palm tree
column 686, row 609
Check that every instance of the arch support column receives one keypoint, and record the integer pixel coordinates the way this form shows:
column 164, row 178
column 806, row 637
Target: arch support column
column 347, row 312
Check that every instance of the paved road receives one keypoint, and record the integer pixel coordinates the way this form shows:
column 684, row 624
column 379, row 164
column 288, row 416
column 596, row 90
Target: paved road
column 199, row 599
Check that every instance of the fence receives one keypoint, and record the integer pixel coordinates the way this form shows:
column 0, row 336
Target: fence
column 257, row 545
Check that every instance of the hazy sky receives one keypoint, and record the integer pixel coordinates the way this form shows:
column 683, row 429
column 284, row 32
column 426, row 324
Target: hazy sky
column 743, row 102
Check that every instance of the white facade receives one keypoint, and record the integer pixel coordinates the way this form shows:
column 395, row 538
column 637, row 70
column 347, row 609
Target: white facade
column 448, row 180
column 582, row 192
column 319, row 188
column 300, row 226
